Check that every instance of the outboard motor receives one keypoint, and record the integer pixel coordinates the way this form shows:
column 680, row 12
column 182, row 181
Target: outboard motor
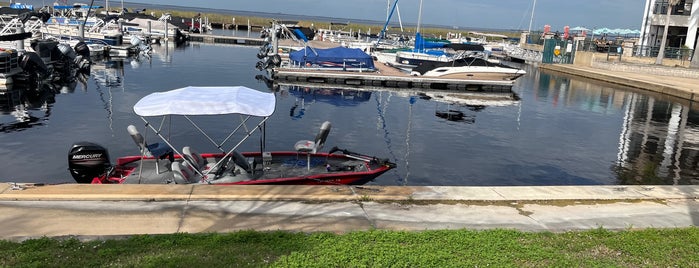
column 276, row 60
column 87, row 160
column 30, row 62
column 82, row 49
column 82, row 61
column 66, row 51
column 142, row 45
column 135, row 40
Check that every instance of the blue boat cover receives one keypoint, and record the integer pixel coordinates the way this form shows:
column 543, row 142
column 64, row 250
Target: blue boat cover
column 421, row 44
column 337, row 57
column 21, row 6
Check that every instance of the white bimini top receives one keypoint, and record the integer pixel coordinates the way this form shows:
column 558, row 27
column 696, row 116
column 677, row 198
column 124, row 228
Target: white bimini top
column 194, row 100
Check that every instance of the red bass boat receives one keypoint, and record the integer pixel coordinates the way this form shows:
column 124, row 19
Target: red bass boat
column 163, row 163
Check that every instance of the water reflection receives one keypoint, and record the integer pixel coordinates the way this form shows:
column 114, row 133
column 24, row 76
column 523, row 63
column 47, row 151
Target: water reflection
column 305, row 97
column 24, row 106
column 658, row 142
column 21, row 109
column 395, row 112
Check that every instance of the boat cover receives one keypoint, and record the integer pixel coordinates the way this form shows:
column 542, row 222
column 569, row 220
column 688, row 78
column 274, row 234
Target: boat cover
column 194, row 100
column 421, row 44
column 332, row 57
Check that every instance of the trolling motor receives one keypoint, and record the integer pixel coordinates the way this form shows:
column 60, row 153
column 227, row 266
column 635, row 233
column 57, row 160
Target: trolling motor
column 383, row 161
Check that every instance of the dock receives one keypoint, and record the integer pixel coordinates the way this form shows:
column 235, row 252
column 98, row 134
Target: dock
column 226, row 39
column 387, row 77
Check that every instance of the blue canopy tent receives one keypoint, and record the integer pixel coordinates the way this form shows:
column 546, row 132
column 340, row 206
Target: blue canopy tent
column 332, row 58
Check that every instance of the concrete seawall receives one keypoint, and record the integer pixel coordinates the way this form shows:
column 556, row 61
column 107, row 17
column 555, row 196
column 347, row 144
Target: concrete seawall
column 681, row 87
column 101, row 211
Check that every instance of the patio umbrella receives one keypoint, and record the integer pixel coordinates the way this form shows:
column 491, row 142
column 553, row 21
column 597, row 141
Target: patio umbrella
column 601, row 31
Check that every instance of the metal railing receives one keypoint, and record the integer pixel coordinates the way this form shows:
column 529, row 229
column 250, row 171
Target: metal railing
column 682, row 9
column 682, row 54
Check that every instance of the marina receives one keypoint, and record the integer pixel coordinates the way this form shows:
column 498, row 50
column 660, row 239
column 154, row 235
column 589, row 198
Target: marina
column 527, row 127
column 469, row 104
column 515, row 139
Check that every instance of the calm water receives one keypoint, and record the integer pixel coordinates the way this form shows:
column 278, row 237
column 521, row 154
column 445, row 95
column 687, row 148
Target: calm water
column 556, row 130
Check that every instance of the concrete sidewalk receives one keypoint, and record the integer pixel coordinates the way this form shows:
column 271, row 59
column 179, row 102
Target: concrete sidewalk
column 685, row 88
column 99, row 211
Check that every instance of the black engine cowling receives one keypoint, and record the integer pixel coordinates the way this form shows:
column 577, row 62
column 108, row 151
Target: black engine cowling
column 31, row 62
column 82, row 49
column 87, row 160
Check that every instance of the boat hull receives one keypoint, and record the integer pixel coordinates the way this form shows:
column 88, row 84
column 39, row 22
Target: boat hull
column 476, row 75
column 288, row 168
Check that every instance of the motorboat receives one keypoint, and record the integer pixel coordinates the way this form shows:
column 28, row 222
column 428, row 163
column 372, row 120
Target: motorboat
column 472, row 68
column 331, row 59
column 165, row 163
column 407, row 60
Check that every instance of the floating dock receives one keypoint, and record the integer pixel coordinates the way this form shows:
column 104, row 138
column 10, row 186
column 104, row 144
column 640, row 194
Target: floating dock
column 387, row 77
column 226, row 39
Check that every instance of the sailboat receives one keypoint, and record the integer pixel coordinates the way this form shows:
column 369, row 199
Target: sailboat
column 424, row 51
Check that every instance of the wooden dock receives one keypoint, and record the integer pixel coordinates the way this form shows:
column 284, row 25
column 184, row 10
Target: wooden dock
column 226, row 39
column 387, row 77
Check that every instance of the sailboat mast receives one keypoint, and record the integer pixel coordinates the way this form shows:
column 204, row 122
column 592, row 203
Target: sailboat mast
column 400, row 21
column 419, row 18
column 388, row 10
column 531, row 19
column 383, row 31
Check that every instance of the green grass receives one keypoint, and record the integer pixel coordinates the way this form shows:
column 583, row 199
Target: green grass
column 455, row 248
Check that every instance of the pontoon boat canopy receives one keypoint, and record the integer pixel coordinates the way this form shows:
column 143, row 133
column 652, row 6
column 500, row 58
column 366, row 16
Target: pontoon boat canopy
column 194, row 100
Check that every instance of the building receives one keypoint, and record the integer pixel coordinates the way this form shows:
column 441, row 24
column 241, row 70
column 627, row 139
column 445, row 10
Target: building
column 684, row 21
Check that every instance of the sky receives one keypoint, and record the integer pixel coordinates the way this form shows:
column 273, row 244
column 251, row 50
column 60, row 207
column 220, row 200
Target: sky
column 491, row 14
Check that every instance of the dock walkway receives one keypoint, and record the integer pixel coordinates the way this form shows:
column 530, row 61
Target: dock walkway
column 104, row 211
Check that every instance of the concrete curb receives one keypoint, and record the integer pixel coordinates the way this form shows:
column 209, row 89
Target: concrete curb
column 340, row 193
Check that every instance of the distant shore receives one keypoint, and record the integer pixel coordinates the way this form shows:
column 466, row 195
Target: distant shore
column 263, row 18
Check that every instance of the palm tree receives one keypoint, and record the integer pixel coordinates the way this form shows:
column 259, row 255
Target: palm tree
column 661, row 53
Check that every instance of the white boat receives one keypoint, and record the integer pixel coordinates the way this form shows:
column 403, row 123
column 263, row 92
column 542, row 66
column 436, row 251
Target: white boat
column 471, row 68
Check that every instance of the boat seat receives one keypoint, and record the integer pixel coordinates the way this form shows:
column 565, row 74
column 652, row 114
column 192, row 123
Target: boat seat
column 309, row 147
column 158, row 150
column 196, row 159
column 184, row 173
column 207, row 167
